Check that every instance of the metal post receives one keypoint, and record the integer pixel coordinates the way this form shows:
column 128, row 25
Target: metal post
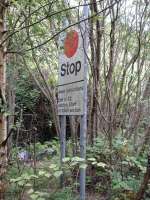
column 83, row 130
column 83, row 124
column 62, row 143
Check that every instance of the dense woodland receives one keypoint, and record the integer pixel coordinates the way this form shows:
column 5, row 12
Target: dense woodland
column 118, row 118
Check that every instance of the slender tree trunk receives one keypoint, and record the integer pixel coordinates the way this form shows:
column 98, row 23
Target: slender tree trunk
column 11, row 106
column 144, row 184
column 73, row 130
column 3, row 124
column 95, row 60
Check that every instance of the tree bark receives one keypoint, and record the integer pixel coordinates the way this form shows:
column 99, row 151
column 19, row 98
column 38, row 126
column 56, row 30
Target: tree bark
column 95, row 68
column 143, row 187
column 11, row 107
column 3, row 124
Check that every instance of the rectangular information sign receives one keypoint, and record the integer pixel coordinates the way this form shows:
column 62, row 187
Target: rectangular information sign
column 70, row 99
column 71, row 75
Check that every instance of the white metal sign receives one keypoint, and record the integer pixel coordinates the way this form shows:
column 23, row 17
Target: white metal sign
column 71, row 75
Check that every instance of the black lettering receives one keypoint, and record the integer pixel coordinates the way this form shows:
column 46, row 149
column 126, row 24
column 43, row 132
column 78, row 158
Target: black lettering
column 67, row 68
column 72, row 68
column 78, row 67
column 63, row 70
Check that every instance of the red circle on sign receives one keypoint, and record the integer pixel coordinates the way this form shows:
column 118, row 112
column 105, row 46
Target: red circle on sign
column 71, row 43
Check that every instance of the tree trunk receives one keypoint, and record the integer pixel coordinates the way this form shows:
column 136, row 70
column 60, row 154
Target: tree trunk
column 11, row 106
column 3, row 125
column 95, row 60
column 144, row 184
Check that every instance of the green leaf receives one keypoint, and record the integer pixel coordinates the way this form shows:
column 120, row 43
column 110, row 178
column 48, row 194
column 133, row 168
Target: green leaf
column 13, row 180
column 77, row 159
column 41, row 173
column 58, row 174
column 125, row 162
column 83, row 166
column 91, row 159
column 48, row 175
column 34, row 196
column 28, row 185
column 21, row 183
column 101, row 164
column 66, row 159
column 94, row 163
column 34, row 176
column 53, row 166
column 41, row 198
column 30, row 191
